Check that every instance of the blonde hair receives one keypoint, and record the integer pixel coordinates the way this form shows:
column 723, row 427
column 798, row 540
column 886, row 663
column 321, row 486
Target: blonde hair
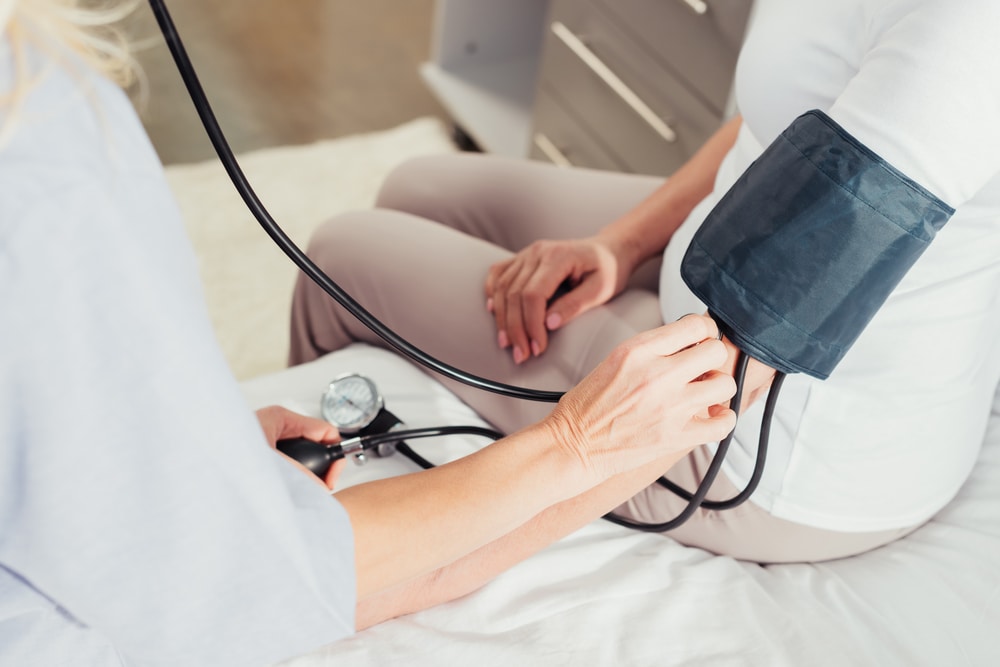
column 88, row 29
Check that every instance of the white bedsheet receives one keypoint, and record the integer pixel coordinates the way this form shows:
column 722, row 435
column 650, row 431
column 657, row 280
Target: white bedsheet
column 606, row 595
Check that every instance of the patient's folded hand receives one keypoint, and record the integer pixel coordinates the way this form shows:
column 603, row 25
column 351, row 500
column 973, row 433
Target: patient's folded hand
column 548, row 284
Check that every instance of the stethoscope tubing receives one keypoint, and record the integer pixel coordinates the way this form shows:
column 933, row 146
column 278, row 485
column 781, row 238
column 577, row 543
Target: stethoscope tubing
column 301, row 260
column 407, row 349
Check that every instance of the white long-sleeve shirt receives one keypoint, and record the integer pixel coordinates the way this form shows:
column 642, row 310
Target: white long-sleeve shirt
column 143, row 518
column 889, row 438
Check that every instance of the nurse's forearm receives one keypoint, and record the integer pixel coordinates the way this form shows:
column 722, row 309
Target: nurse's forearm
column 442, row 514
column 644, row 231
column 655, row 396
column 473, row 571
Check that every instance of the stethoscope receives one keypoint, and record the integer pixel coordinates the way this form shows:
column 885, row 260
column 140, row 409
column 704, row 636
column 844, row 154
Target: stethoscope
column 319, row 457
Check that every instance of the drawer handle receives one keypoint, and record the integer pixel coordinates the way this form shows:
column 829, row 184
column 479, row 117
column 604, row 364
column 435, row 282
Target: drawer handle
column 698, row 6
column 604, row 72
column 550, row 151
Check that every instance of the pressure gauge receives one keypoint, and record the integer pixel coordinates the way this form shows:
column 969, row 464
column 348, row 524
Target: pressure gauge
column 351, row 402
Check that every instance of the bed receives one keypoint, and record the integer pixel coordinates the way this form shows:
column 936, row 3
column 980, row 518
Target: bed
column 606, row 595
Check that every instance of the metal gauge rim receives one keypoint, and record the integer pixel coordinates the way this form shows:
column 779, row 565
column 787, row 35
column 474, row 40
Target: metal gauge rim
column 351, row 402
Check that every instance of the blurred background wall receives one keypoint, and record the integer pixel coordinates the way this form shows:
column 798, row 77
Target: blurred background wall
column 281, row 72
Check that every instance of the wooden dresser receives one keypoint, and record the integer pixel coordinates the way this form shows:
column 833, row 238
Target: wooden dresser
column 626, row 85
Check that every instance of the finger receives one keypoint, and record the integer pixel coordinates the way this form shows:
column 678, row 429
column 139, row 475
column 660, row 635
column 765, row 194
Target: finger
column 317, row 430
column 494, row 272
column 686, row 365
column 290, row 424
column 269, row 423
column 537, row 292
column 676, row 336
column 514, row 325
column 279, row 422
column 711, row 389
column 333, row 474
column 693, row 362
column 501, row 288
column 717, row 409
column 574, row 303
column 711, row 429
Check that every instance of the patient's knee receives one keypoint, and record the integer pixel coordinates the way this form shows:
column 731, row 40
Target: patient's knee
column 340, row 238
column 443, row 187
column 414, row 184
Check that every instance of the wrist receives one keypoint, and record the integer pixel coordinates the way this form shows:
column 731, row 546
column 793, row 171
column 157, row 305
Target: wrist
column 556, row 453
column 627, row 249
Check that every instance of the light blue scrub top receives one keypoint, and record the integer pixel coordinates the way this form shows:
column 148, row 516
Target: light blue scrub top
column 143, row 518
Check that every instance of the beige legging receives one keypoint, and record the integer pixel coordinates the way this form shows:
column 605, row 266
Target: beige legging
column 418, row 262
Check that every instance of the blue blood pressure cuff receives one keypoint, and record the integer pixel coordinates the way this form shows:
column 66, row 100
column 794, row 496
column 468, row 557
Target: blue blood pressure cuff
column 798, row 256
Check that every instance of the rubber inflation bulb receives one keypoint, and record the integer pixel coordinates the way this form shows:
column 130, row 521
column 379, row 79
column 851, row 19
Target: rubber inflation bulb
column 313, row 455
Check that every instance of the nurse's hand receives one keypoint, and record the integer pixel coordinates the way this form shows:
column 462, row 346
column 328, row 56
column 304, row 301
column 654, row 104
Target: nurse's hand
column 519, row 291
column 279, row 423
column 656, row 394
column 643, row 408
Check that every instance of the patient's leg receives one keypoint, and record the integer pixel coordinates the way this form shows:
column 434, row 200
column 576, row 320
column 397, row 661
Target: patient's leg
column 425, row 281
column 512, row 203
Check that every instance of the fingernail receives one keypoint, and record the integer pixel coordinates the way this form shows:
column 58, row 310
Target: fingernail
column 502, row 340
column 489, row 305
column 553, row 321
column 518, row 355
column 536, row 349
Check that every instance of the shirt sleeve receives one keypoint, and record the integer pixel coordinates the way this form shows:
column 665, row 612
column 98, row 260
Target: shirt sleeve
column 137, row 491
column 926, row 98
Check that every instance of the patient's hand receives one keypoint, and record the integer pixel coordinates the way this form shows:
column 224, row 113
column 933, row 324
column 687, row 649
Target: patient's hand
column 280, row 424
column 547, row 284
column 758, row 377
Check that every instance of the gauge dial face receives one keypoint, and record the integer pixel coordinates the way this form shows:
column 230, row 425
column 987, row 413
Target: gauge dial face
column 351, row 402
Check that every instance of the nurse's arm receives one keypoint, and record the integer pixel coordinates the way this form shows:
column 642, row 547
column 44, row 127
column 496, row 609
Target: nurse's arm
column 473, row 571
column 647, row 401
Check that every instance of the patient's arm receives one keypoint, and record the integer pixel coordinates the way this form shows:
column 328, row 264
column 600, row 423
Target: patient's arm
column 520, row 289
column 645, row 230
column 473, row 571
